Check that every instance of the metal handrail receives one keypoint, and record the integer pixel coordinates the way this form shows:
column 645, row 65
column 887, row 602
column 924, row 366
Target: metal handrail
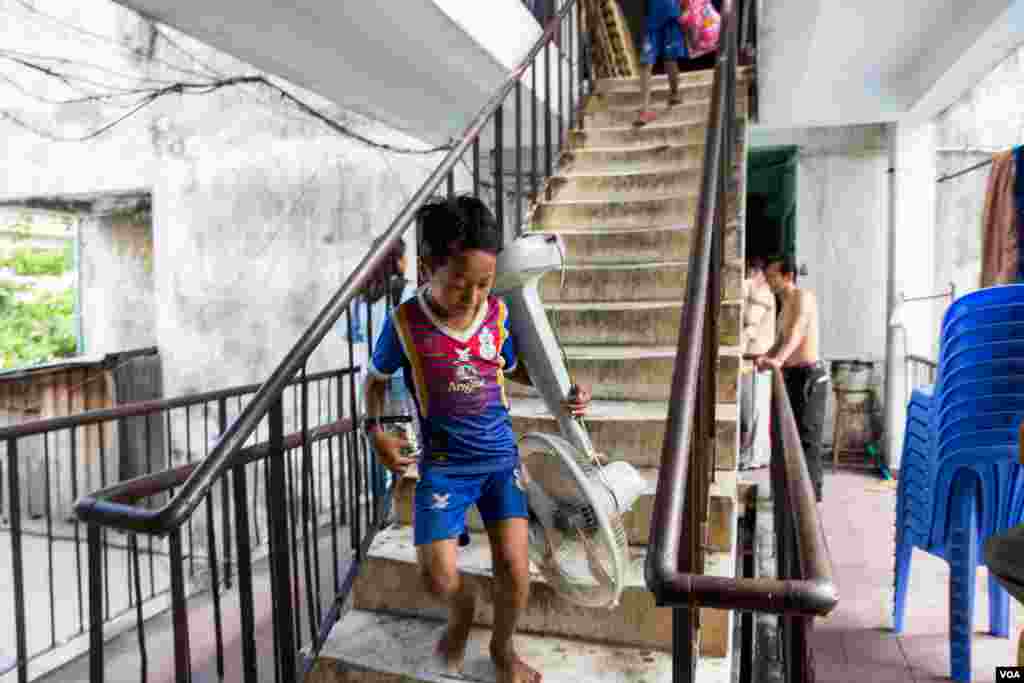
column 813, row 595
column 929, row 362
column 98, row 508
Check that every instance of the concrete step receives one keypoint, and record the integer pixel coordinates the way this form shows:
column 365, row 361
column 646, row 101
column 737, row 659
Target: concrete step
column 637, row 521
column 663, row 133
column 652, row 323
column 373, row 647
column 663, row 281
column 647, row 158
column 660, row 82
column 619, row 212
column 630, row 95
column 391, row 583
column 650, row 158
column 597, row 185
column 636, row 373
column 616, row 115
column 605, row 245
column 626, row 245
column 633, row 431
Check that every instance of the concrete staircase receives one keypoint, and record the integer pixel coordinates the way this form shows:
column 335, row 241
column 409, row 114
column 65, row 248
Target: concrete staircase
column 624, row 200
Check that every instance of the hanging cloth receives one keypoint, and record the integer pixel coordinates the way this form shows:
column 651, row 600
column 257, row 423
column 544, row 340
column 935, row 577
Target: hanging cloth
column 1000, row 254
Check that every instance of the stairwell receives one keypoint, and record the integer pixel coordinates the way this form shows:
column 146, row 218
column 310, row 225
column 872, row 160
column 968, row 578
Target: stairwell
column 624, row 200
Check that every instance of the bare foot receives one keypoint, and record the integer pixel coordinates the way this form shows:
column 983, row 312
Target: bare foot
column 451, row 648
column 511, row 669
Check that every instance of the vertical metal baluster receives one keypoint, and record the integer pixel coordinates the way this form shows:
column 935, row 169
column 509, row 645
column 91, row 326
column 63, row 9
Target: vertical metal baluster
column 17, row 559
column 73, row 447
column 561, row 72
column 140, row 625
column 211, row 543
column 451, row 183
column 312, row 603
column 149, row 470
column 476, row 167
column 579, row 54
column 547, row 111
column 106, row 537
column 334, row 499
column 572, row 69
column 354, row 458
column 518, row 219
column 343, row 471
column 245, row 593
column 179, row 611
column 95, row 560
column 534, row 161
column 49, row 537
column 294, row 519
column 499, row 168
column 683, row 662
column 225, row 495
column 278, row 529
column 188, row 459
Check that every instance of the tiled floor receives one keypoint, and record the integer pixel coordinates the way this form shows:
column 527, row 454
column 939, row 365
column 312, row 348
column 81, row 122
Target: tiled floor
column 856, row 643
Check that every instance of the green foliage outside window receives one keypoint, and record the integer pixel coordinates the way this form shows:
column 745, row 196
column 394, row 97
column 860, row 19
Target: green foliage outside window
column 36, row 330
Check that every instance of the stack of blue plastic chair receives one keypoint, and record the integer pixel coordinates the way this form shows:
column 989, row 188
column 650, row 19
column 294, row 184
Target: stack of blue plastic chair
column 960, row 481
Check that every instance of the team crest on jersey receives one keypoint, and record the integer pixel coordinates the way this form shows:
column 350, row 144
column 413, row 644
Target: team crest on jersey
column 465, row 377
column 486, row 340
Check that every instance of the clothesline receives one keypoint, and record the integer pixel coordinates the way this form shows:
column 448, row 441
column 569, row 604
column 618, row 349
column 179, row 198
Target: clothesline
column 964, row 171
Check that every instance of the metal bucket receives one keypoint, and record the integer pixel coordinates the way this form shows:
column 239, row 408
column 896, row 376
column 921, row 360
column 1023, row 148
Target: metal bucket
column 852, row 375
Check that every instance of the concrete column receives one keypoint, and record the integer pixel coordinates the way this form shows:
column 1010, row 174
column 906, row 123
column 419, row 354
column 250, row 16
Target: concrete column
column 910, row 327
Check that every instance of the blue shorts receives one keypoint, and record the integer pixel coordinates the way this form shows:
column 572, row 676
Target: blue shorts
column 442, row 500
column 664, row 42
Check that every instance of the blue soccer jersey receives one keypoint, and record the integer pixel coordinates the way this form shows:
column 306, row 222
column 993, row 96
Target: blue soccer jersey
column 458, row 381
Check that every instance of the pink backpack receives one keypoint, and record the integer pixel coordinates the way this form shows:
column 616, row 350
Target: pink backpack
column 701, row 26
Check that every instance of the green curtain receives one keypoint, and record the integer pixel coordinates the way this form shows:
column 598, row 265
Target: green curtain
column 771, row 201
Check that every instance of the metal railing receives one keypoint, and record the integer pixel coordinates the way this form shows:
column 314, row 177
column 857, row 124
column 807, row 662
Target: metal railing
column 920, row 371
column 73, row 587
column 675, row 558
column 553, row 73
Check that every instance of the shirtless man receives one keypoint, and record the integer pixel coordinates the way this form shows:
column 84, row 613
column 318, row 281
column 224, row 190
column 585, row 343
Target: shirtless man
column 796, row 353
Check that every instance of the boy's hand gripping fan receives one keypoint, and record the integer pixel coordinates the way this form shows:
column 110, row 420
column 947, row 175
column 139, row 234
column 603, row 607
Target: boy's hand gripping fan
column 576, row 535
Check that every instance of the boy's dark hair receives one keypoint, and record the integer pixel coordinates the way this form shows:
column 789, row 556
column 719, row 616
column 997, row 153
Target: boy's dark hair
column 756, row 263
column 448, row 226
column 787, row 265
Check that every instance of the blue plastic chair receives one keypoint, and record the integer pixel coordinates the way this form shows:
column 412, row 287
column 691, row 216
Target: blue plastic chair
column 959, row 479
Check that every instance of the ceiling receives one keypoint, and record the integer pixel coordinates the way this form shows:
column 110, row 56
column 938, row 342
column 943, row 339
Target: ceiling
column 830, row 62
column 424, row 70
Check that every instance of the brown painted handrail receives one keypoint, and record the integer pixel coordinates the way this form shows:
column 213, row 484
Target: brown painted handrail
column 97, row 508
column 815, row 594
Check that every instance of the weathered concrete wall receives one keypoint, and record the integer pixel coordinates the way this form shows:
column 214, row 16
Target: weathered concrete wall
column 259, row 210
column 988, row 118
column 116, row 286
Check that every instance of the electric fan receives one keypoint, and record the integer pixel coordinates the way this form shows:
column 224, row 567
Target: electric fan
column 576, row 536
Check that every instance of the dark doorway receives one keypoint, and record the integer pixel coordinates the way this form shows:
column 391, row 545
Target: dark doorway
column 771, row 201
